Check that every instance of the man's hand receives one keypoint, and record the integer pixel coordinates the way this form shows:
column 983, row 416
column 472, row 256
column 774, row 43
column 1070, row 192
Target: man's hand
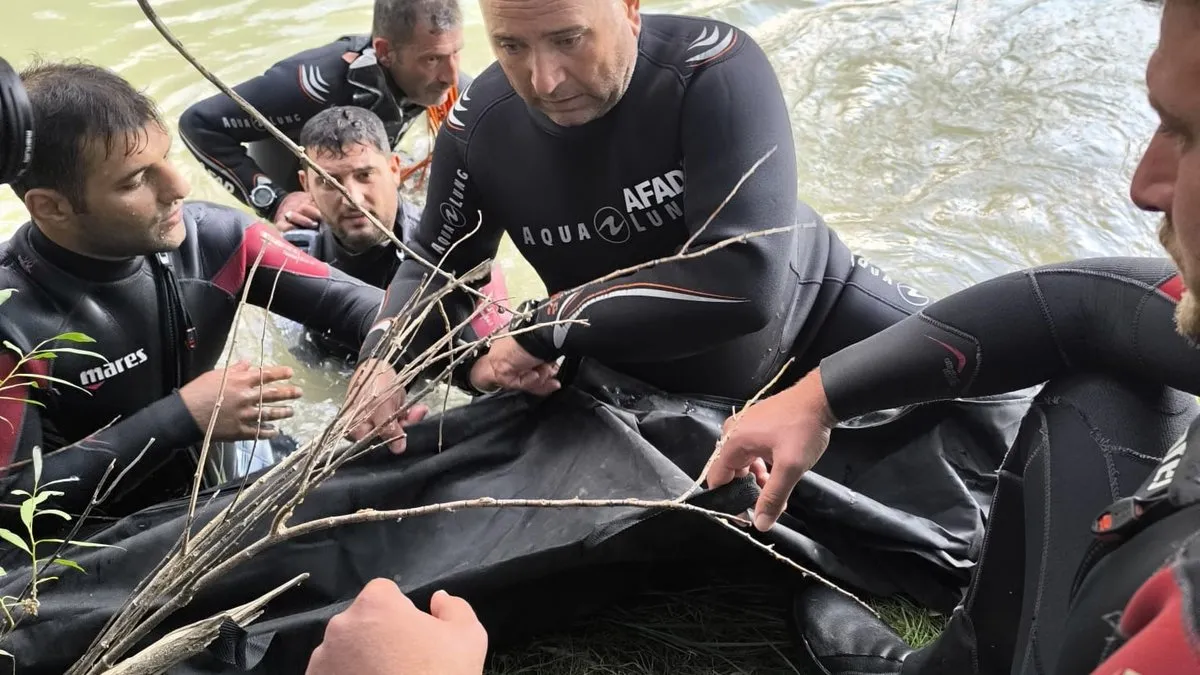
column 380, row 405
column 791, row 430
column 245, row 387
column 383, row 633
column 297, row 210
column 508, row 366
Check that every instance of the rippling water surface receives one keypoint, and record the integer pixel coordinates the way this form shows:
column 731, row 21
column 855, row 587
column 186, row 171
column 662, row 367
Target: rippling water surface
column 948, row 147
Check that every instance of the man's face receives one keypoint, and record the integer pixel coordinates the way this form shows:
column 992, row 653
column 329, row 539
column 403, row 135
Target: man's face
column 133, row 202
column 373, row 177
column 427, row 65
column 570, row 59
column 1168, row 178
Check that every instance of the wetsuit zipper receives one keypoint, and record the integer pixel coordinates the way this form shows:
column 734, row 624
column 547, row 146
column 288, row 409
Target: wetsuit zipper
column 179, row 343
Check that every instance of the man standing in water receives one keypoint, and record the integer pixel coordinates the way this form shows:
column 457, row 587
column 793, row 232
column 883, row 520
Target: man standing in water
column 407, row 66
column 629, row 132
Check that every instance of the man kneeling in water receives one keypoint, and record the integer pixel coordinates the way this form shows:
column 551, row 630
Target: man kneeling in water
column 351, row 145
column 114, row 252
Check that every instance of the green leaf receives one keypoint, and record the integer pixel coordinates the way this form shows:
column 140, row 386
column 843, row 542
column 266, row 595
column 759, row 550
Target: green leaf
column 9, row 536
column 37, row 465
column 6, row 294
column 21, row 492
column 69, row 563
column 72, row 350
column 9, row 345
column 73, row 337
column 72, row 479
column 54, row 512
column 27, row 508
column 43, row 355
column 2, row 572
column 4, row 653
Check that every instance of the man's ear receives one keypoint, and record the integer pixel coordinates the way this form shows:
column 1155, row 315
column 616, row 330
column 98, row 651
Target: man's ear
column 383, row 50
column 48, row 207
column 395, row 167
column 303, row 174
column 633, row 14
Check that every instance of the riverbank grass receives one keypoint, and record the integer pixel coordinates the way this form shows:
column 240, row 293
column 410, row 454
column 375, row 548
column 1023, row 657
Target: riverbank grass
column 717, row 630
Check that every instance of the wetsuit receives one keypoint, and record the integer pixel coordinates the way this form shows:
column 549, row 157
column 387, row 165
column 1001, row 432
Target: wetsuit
column 703, row 106
column 1055, row 575
column 343, row 72
column 160, row 321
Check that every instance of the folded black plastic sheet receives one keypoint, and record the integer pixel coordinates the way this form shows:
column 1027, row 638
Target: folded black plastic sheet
column 895, row 508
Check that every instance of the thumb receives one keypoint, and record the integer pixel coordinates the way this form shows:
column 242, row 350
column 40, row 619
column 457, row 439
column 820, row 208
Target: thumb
column 785, row 473
column 451, row 609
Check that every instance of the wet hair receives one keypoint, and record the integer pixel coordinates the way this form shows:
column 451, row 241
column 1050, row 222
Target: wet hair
column 397, row 20
column 76, row 105
column 334, row 130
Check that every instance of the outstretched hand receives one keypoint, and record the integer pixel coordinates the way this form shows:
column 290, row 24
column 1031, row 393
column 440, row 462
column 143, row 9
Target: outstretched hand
column 790, row 431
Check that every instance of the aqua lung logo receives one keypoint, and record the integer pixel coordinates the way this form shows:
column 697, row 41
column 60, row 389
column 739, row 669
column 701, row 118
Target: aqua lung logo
column 611, row 226
column 907, row 293
column 452, row 215
column 649, row 205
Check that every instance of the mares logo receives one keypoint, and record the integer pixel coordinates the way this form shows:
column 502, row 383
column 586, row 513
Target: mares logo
column 92, row 378
column 250, row 123
column 452, row 215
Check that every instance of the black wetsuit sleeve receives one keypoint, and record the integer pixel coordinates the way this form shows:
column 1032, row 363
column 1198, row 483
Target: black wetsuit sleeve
column 1107, row 315
column 297, row 286
column 215, row 129
column 733, row 114
column 444, row 237
column 159, row 428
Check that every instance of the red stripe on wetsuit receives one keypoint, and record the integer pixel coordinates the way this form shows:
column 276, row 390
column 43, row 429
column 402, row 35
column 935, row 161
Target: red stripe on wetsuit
column 280, row 254
column 1159, row 641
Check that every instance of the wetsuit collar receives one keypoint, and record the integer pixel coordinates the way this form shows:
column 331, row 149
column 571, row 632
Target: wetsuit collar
column 81, row 266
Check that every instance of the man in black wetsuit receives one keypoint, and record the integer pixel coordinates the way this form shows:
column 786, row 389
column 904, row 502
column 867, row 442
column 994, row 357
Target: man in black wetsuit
column 406, row 67
column 1091, row 561
column 351, row 145
column 604, row 139
column 115, row 253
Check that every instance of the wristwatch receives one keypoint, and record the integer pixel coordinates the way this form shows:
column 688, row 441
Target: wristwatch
column 264, row 198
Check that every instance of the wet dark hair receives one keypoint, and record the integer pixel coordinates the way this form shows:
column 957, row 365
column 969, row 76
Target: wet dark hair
column 334, row 130
column 396, row 20
column 74, row 105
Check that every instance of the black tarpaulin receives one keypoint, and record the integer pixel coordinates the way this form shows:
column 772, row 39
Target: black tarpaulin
column 893, row 508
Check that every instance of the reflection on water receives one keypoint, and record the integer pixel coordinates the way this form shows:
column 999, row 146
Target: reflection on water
column 948, row 154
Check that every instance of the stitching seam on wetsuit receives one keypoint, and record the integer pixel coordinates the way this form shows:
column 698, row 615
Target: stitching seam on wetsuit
column 884, row 301
column 1044, row 306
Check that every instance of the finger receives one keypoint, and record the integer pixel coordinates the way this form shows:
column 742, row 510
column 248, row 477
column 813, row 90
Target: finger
column 300, row 219
column 735, row 456
column 761, row 475
column 773, row 499
column 381, row 589
column 416, row 413
column 271, row 374
column 718, row 475
column 267, row 413
column 275, row 394
column 249, row 432
column 310, row 210
column 452, row 609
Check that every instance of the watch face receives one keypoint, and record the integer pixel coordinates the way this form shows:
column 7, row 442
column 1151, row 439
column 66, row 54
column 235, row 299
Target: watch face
column 262, row 196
